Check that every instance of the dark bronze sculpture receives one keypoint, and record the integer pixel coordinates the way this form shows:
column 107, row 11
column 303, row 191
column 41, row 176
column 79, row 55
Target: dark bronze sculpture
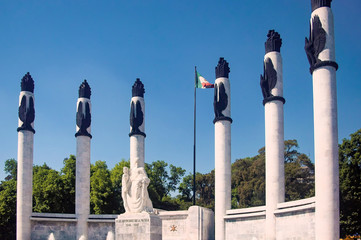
column 27, row 113
column 220, row 102
column 269, row 78
column 320, row 3
column 136, row 113
column 316, row 42
column 136, row 118
column 274, row 42
column 222, row 69
column 83, row 117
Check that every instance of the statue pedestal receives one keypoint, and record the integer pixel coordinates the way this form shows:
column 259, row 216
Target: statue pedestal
column 139, row 226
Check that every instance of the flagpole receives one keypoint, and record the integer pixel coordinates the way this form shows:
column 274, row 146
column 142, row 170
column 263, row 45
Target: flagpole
column 194, row 139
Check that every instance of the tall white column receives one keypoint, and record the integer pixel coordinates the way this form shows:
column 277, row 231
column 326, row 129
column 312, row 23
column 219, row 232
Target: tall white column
column 222, row 150
column 82, row 176
column 130, row 180
column 272, row 89
column 24, row 194
column 320, row 49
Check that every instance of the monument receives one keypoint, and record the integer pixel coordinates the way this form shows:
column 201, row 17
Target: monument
column 272, row 90
column 139, row 220
column 312, row 218
column 24, row 204
column 222, row 146
column 82, row 176
column 320, row 50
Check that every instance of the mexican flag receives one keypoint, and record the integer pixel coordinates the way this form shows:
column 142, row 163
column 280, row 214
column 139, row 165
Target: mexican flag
column 201, row 82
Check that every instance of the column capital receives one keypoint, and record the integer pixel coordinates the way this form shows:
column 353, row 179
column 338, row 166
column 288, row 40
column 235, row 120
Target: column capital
column 274, row 42
column 320, row 3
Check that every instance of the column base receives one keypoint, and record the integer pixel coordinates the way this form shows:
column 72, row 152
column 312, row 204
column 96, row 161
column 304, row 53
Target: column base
column 140, row 226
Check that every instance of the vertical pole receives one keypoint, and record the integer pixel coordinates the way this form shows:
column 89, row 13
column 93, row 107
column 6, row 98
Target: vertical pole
column 272, row 89
column 222, row 146
column 194, row 138
column 82, row 176
column 320, row 50
column 24, row 203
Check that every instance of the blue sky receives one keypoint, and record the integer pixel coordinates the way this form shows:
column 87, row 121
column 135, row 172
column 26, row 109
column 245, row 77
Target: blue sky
column 111, row 43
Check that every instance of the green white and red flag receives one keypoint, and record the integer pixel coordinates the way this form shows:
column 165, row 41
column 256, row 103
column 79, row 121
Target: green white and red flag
column 201, row 82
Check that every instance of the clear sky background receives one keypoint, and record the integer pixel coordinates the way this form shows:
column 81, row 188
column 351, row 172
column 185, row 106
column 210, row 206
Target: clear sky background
column 111, row 43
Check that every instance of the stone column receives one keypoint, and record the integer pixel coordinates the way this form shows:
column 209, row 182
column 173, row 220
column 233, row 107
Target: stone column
column 82, row 176
column 320, row 50
column 272, row 90
column 137, row 125
column 24, row 194
column 222, row 125
column 139, row 220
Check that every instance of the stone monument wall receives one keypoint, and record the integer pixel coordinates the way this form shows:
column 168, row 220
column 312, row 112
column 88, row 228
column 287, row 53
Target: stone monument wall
column 294, row 220
column 196, row 223
column 63, row 226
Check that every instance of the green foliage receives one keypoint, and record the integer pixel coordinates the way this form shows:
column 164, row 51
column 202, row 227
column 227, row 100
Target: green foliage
column 248, row 177
column 204, row 191
column 101, row 194
column 68, row 180
column 350, row 185
column 299, row 178
column 162, row 183
column 248, row 181
column 11, row 168
column 47, row 190
column 8, row 209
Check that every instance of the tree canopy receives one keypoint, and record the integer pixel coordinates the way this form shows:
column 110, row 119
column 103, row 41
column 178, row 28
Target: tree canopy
column 350, row 185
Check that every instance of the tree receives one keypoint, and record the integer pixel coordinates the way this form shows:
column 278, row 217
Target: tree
column 11, row 167
column 47, row 190
column 68, row 183
column 162, row 183
column 350, row 184
column 101, row 194
column 8, row 201
column 248, row 177
column 299, row 178
column 248, row 181
column 204, row 190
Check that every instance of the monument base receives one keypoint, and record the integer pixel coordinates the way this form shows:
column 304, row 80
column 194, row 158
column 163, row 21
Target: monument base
column 139, row 226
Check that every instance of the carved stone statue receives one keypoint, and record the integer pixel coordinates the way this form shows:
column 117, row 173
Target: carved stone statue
column 134, row 190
